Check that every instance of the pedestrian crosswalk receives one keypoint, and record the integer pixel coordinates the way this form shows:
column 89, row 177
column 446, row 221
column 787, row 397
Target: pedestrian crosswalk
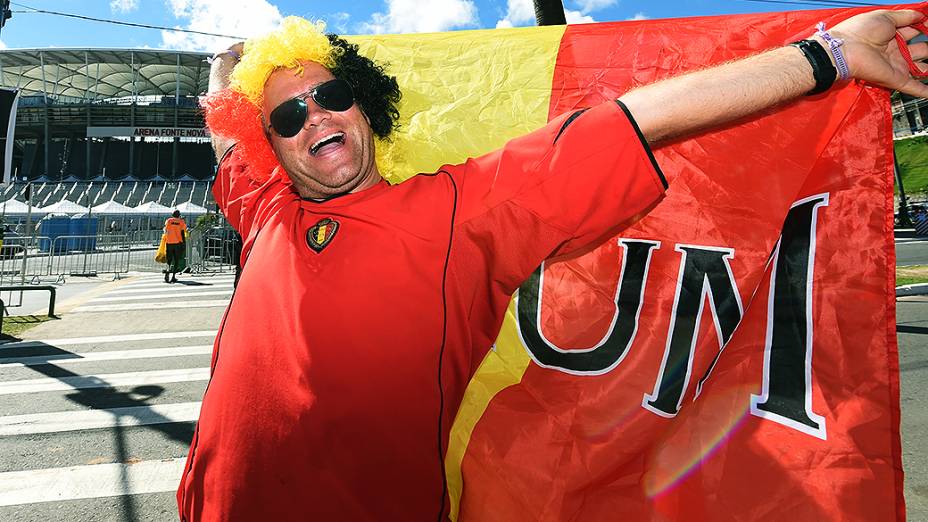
column 153, row 293
column 97, row 414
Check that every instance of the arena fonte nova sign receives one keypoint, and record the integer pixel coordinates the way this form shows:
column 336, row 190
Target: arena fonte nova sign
column 148, row 132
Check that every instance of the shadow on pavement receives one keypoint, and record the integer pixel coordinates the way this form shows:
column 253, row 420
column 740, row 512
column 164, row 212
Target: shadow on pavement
column 920, row 330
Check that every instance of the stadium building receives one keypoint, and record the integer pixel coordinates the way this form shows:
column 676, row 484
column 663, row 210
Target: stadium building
column 100, row 125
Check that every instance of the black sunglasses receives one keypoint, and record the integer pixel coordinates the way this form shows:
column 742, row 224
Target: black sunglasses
column 288, row 118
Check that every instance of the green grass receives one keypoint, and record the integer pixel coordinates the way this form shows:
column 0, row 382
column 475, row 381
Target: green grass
column 14, row 326
column 912, row 154
column 910, row 275
column 902, row 281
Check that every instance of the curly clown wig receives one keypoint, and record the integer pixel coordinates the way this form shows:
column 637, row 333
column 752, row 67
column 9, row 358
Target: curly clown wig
column 236, row 112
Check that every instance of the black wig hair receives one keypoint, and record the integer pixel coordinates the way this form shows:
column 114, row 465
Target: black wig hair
column 376, row 92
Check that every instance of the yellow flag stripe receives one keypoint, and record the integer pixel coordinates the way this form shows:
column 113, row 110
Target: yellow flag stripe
column 465, row 93
column 501, row 368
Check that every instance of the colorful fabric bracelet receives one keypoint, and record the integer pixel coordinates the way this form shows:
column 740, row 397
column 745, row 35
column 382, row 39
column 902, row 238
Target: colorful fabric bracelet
column 834, row 46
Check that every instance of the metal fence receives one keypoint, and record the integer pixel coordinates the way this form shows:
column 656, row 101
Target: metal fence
column 88, row 255
column 35, row 259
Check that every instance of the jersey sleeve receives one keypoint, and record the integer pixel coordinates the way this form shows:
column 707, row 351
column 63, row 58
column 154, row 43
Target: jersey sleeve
column 246, row 203
column 555, row 191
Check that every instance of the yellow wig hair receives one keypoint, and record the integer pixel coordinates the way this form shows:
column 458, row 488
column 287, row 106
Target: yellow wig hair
column 296, row 40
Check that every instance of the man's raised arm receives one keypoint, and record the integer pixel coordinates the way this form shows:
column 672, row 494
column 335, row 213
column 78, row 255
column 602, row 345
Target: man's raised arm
column 697, row 101
column 219, row 72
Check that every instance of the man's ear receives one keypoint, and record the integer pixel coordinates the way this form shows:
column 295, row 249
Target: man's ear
column 265, row 128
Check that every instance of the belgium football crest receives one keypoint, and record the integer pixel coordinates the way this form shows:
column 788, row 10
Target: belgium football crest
column 320, row 235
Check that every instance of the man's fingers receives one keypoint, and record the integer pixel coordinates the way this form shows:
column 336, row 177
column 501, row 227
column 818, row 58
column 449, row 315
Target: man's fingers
column 914, row 88
column 905, row 17
column 919, row 51
column 908, row 33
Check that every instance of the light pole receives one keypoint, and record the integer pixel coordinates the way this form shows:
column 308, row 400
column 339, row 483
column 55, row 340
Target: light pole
column 904, row 220
column 549, row 12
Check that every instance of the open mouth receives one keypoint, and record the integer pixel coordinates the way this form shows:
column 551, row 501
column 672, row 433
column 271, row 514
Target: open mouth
column 328, row 142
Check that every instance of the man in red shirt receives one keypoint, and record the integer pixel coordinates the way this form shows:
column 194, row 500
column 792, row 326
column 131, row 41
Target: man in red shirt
column 364, row 308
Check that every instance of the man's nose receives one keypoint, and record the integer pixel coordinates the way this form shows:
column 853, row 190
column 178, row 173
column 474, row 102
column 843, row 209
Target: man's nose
column 316, row 114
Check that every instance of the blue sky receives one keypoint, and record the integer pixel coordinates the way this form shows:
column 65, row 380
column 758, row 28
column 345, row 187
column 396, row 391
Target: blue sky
column 249, row 17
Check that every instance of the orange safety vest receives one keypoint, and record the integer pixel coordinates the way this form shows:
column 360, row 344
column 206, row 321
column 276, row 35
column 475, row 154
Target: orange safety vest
column 174, row 228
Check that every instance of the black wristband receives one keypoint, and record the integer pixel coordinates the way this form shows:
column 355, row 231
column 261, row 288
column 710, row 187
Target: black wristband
column 823, row 70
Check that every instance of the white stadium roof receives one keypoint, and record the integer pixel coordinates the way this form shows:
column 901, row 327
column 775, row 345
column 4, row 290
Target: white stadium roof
column 104, row 73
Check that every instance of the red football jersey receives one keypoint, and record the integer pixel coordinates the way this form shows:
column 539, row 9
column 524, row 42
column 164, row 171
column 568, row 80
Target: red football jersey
column 358, row 321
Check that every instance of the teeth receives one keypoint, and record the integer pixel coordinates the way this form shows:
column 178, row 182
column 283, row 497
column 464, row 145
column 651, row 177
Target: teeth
column 338, row 136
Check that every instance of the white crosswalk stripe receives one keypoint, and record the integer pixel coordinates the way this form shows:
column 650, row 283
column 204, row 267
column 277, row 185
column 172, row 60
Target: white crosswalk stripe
column 81, row 382
column 168, row 290
column 160, row 297
column 100, row 480
column 153, row 306
column 110, row 339
column 59, row 421
column 113, row 355
column 160, row 284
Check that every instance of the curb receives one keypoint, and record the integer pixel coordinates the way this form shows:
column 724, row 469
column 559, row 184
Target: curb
column 911, row 290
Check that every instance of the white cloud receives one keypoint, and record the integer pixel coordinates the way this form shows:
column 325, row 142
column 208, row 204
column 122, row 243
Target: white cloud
column 415, row 16
column 338, row 22
column 242, row 18
column 576, row 17
column 522, row 12
column 3, row 45
column 639, row 16
column 588, row 6
column 518, row 12
column 124, row 6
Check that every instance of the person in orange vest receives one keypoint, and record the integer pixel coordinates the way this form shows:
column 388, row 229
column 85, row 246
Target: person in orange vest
column 175, row 228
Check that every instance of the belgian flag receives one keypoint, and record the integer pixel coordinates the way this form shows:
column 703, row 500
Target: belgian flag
column 732, row 355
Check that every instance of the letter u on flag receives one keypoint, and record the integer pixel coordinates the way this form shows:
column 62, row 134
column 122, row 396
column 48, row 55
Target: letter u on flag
column 732, row 355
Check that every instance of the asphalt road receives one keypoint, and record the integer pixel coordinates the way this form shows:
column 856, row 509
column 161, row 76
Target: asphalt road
column 910, row 253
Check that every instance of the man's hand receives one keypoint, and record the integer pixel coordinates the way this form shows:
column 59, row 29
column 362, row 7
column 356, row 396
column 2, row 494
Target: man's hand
column 872, row 52
column 222, row 66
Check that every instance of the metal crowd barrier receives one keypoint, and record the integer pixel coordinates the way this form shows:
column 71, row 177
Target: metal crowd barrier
column 215, row 251
column 33, row 260
column 21, row 260
column 88, row 255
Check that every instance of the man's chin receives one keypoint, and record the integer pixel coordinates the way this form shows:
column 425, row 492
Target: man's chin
column 314, row 189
